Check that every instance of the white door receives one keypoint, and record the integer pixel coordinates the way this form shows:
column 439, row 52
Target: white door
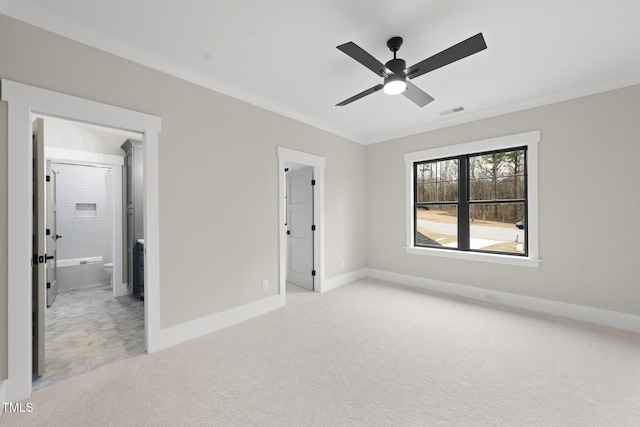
column 300, row 227
column 39, row 247
column 52, row 235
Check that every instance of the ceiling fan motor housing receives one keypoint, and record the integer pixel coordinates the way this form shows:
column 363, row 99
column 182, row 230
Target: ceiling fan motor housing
column 397, row 66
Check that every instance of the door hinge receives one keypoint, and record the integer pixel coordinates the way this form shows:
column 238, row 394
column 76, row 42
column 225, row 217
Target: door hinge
column 313, row 272
column 48, row 285
column 48, row 178
column 313, row 182
column 313, row 228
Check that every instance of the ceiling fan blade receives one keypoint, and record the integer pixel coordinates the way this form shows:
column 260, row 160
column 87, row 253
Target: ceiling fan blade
column 360, row 95
column 417, row 95
column 456, row 52
column 360, row 55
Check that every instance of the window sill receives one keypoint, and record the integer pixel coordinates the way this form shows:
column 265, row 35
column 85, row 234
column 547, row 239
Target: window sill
column 475, row 256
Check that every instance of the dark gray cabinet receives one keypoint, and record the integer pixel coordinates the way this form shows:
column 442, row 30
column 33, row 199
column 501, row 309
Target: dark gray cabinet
column 134, row 200
column 138, row 278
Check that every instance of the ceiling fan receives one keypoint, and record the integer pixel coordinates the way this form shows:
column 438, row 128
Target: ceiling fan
column 395, row 72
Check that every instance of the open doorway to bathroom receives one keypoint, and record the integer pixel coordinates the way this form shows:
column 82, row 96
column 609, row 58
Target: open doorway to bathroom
column 95, row 319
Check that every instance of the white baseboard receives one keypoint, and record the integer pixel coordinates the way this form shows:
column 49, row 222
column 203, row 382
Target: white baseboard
column 343, row 279
column 598, row 316
column 196, row 328
column 189, row 330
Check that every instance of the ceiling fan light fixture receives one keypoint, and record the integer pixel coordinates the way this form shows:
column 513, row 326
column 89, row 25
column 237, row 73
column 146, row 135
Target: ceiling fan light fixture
column 394, row 85
column 395, row 71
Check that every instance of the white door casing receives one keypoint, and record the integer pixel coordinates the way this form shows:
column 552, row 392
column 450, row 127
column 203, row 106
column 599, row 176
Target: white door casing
column 287, row 156
column 23, row 102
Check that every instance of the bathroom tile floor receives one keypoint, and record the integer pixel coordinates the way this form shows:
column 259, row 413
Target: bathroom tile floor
column 87, row 328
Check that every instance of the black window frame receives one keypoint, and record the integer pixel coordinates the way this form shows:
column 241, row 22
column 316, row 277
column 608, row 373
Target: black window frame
column 464, row 202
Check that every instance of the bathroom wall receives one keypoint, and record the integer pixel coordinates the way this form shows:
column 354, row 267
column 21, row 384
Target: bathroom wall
column 82, row 200
column 84, row 222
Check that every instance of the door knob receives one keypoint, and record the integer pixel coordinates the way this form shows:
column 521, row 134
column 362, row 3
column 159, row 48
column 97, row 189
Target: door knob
column 57, row 236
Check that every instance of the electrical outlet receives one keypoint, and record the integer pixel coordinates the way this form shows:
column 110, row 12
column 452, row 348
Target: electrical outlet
column 265, row 284
column 491, row 297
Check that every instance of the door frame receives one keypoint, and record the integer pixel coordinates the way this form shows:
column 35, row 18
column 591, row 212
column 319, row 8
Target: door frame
column 285, row 156
column 24, row 102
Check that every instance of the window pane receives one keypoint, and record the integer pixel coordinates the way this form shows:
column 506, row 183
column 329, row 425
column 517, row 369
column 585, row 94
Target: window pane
column 426, row 183
column 497, row 176
column 437, row 181
column 437, row 226
column 511, row 187
column 448, row 180
column 509, row 163
column 482, row 189
column 493, row 227
column 426, row 192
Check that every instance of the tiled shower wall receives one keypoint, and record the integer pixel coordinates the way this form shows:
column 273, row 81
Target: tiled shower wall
column 83, row 229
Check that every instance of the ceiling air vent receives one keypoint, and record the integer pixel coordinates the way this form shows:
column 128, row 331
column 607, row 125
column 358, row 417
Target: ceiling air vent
column 451, row 111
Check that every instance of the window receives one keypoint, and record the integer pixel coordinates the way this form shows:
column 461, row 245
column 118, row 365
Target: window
column 475, row 201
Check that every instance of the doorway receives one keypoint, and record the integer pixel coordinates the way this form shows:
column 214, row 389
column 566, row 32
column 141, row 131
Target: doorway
column 300, row 225
column 94, row 321
column 288, row 162
column 23, row 103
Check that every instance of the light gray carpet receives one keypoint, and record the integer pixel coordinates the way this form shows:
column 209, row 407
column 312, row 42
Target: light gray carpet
column 368, row 353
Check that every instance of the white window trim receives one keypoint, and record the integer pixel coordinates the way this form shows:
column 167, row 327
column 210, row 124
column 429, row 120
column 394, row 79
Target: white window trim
column 528, row 139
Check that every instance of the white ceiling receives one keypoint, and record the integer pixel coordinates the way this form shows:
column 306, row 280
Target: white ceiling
column 281, row 54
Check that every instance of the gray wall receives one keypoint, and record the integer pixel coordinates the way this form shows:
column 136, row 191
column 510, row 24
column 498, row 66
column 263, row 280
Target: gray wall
column 218, row 173
column 589, row 204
